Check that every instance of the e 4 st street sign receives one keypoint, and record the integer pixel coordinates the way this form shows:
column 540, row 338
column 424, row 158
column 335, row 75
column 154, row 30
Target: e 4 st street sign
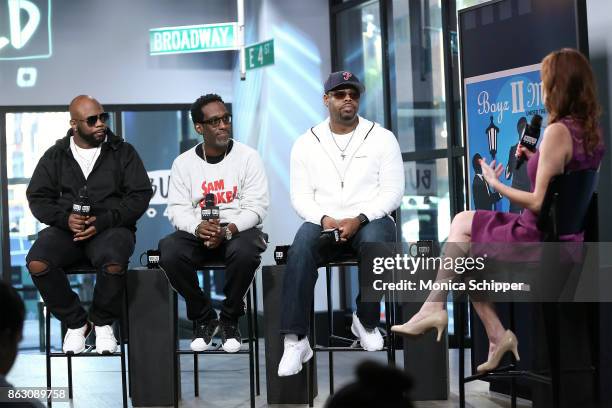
column 195, row 38
column 259, row 55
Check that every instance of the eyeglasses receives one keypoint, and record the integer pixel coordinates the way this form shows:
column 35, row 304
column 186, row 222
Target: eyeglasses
column 342, row 94
column 93, row 119
column 214, row 122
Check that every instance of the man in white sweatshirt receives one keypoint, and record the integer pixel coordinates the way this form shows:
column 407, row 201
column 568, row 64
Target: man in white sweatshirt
column 234, row 174
column 346, row 173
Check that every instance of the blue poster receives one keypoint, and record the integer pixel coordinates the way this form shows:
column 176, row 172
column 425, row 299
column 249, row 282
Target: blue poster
column 497, row 108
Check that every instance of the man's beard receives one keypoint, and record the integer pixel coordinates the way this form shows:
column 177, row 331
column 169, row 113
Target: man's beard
column 91, row 139
column 346, row 118
column 214, row 142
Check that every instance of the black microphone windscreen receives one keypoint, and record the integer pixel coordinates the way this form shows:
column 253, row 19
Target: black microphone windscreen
column 536, row 121
column 209, row 200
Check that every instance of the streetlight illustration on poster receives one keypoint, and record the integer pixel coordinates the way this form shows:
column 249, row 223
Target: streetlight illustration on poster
column 498, row 106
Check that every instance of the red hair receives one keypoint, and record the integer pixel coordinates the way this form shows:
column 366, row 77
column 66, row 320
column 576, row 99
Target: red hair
column 569, row 86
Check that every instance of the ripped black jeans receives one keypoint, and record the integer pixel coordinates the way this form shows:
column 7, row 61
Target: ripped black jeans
column 108, row 251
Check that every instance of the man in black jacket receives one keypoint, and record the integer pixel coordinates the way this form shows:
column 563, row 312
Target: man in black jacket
column 484, row 197
column 119, row 191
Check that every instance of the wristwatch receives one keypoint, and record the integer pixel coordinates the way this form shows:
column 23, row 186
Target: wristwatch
column 228, row 234
column 363, row 220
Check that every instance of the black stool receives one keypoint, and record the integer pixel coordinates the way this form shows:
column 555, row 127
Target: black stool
column 569, row 207
column 345, row 260
column 83, row 270
column 252, row 340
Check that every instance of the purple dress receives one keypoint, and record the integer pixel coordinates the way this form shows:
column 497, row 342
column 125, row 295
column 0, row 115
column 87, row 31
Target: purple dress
column 496, row 226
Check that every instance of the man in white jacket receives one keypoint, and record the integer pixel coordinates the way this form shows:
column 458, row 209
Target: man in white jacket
column 234, row 174
column 346, row 173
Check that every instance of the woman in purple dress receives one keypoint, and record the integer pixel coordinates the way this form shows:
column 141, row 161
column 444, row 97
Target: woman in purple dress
column 572, row 141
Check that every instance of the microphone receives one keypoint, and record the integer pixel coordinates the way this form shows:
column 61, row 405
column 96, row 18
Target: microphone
column 210, row 211
column 529, row 139
column 82, row 205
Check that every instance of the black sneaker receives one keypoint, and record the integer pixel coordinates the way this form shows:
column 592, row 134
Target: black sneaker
column 205, row 330
column 230, row 336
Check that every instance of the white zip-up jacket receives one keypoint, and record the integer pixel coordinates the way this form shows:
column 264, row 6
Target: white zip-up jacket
column 371, row 182
column 238, row 182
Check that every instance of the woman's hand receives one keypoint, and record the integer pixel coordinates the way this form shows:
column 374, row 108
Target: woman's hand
column 491, row 172
column 523, row 151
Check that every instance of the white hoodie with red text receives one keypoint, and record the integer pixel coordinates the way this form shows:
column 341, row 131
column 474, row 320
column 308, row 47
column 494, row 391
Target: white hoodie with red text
column 238, row 182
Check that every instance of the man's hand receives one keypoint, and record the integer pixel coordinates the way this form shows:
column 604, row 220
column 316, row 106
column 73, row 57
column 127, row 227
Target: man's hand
column 348, row 228
column 208, row 229
column 76, row 223
column 214, row 241
column 330, row 223
column 90, row 229
column 211, row 233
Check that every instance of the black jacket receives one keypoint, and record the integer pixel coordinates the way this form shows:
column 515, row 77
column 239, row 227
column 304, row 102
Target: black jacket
column 118, row 186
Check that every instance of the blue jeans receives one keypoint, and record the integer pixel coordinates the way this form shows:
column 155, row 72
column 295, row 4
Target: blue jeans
column 304, row 258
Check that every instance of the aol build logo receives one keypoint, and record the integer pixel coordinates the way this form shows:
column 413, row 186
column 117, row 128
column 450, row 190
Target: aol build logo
column 25, row 34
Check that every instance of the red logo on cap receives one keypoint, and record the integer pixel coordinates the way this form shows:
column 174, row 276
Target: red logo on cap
column 346, row 75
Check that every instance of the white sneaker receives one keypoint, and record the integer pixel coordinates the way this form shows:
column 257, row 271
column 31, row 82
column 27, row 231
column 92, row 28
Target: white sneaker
column 231, row 340
column 74, row 340
column 371, row 340
column 296, row 353
column 203, row 337
column 106, row 343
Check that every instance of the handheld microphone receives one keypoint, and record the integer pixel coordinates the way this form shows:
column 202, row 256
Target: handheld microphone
column 82, row 205
column 330, row 237
column 210, row 211
column 529, row 139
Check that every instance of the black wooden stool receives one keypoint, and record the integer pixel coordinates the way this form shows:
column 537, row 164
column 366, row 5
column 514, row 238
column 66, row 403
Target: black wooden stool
column 82, row 270
column 251, row 339
column 344, row 261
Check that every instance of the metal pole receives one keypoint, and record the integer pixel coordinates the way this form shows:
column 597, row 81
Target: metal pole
column 5, row 250
column 240, row 6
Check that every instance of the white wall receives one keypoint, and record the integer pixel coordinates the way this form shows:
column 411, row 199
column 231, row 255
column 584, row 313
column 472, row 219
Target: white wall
column 276, row 104
column 101, row 48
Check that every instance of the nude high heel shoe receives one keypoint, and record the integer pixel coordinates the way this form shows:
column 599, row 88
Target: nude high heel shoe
column 508, row 343
column 439, row 320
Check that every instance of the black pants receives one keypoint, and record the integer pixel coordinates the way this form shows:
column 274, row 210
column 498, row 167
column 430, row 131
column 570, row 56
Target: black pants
column 182, row 253
column 56, row 248
column 303, row 259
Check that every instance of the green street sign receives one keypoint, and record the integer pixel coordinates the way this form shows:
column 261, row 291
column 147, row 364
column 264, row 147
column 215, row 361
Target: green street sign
column 196, row 38
column 259, row 55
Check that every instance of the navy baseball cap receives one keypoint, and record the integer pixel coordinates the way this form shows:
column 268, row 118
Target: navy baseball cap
column 343, row 78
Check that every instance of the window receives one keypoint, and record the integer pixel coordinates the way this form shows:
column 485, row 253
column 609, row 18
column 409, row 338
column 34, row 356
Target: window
column 359, row 50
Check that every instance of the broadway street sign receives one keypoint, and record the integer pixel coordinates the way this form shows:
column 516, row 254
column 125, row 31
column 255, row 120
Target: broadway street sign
column 196, row 38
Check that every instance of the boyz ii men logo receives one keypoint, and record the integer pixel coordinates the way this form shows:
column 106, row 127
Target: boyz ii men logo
column 25, row 31
column 217, row 188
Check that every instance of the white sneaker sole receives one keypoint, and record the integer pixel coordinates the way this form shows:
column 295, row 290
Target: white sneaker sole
column 106, row 351
column 74, row 352
column 231, row 349
column 305, row 359
column 206, row 346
